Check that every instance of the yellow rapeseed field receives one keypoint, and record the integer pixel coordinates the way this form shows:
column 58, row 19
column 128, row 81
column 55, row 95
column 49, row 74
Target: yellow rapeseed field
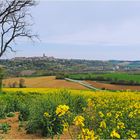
column 106, row 114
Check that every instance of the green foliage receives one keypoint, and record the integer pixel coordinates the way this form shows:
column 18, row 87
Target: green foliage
column 2, row 109
column 10, row 114
column 33, row 105
column 4, row 127
column 49, row 126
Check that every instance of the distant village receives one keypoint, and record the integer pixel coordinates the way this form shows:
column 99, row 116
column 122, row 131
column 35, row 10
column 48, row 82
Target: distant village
column 49, row 65
column 43, row 57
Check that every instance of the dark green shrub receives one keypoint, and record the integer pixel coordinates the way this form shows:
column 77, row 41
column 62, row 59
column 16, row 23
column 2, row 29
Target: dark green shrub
column 10, row 114
column 78, row 104
column 5, row 127
column 2, row 109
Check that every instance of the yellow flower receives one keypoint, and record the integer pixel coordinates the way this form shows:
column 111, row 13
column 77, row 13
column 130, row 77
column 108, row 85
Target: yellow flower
column 109, row 114
column 87, row 134
column 120, row 125
column 132, row 134
column 90, row 103
column 101, row 114
column 137, row 105
column 61, row 110
column 131, row 115
column 118, row 114
column 65, row 127
column 103, row 124
column 46, row 114
column 79, row 121
column 115, row 134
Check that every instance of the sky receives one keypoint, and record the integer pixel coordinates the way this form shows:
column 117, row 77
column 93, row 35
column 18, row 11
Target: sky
column 86, row 29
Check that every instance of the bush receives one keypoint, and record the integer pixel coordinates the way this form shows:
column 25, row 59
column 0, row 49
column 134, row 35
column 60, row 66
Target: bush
column 10, row 114
column 2, row 109
column 60, row 76
column 24, row 112
column 5, row 127
column 22, row 83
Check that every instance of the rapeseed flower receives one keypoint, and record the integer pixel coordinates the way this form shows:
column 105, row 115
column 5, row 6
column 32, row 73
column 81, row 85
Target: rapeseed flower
column 46, row 114
column 109, row 114
column 103, row 124
column 65, row 127
column 87, row 134
column 120, row 125
column 61, row 110
column 115, row 134
column 118, row 114
column 90, row 103
column 79, row 121
column 131, row 115
column 132, row 134
column 101, row 114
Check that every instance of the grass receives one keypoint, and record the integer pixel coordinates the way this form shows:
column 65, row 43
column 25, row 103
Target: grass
column 116, row 78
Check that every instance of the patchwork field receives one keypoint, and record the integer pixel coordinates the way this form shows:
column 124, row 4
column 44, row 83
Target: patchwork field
column 57, row 110
column 44, row 82
column 52, row 82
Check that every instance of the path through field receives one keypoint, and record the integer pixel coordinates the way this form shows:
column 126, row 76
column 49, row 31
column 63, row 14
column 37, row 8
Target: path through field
column 84, row 83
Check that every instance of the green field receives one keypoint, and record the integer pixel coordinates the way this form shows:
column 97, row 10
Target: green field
column 114, row 78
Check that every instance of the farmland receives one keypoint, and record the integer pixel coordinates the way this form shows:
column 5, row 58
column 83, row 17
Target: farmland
column 114, row 87
column 72, row 113
column 44, row 82
column 55, row 108
column 113, row 78
column 52, row 82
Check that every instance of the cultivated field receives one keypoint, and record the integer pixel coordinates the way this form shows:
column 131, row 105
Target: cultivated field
column 44, row 82
column 113, row 78
column 74, row 114
column 107, row 86
column 51, row 82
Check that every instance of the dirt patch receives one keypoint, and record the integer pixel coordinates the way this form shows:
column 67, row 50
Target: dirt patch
column 45, row 82
column 16, row 133
column 112, row 86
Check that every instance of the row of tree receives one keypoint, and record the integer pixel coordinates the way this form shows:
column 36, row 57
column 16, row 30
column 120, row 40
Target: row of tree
column 20, row 84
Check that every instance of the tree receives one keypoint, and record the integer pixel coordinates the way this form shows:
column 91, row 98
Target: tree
column 1, row 76
column 22, row 83
column 14, row 22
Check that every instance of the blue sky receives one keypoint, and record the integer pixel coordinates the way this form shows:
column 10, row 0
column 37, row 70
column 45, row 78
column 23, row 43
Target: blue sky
column 84, row 29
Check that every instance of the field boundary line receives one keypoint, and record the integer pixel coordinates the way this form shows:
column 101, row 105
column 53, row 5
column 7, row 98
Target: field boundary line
column 82, row 83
